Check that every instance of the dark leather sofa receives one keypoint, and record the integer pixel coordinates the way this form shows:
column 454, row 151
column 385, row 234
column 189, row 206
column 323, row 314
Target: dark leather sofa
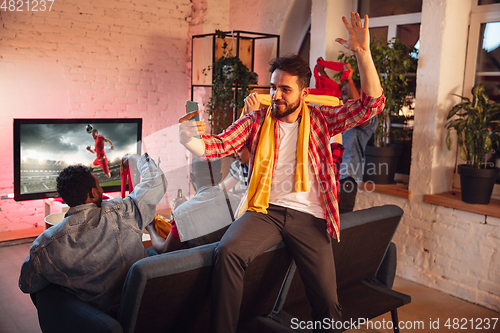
column 171, row 292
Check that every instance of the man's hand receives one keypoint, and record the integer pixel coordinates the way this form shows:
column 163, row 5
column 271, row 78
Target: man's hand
column 252, row 102
column 321, row 69
column 358, row 41
column 150, row 227
column 348, row 67
column 112, row 147
column 358, row 37
column 189, row 129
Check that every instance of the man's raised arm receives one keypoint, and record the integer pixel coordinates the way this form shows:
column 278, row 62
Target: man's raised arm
column 188, row 130
column 358, row 41
column 110, row 143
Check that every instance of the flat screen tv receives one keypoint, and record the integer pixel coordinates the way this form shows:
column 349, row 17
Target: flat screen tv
column 44, row 147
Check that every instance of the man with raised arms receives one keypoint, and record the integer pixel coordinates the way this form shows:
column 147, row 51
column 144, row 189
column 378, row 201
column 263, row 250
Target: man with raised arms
column 292, row 192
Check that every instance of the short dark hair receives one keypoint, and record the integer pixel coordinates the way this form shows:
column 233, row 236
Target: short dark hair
column 74, row 183
column 211, row 171
column 294, row 65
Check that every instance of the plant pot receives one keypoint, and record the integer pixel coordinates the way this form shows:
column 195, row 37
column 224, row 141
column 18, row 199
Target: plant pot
column 381, row 164
column 477, row 184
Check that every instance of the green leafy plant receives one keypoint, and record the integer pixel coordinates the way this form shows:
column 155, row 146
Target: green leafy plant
column 477, row 126
column 393, row 61
column 229, row 73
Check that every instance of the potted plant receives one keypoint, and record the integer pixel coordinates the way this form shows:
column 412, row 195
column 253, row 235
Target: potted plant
column 477, row 126
column 393, row 61
column 230, row 85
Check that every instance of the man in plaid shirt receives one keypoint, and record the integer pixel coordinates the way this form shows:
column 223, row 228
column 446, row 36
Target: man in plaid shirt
column 297, row 218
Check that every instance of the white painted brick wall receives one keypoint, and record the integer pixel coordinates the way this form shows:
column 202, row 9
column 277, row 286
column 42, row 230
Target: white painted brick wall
column 100, row 59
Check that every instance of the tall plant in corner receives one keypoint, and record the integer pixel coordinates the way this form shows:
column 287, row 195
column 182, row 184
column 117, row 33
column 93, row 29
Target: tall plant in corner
column 477, row 126
column 228, row 72
column 393, row 60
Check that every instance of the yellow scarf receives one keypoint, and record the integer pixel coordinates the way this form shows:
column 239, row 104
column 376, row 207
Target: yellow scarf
column 265, row 99
column 259, row 188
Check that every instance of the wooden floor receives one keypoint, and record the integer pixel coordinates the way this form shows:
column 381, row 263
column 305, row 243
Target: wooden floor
column 18, row 315
column 17, row 312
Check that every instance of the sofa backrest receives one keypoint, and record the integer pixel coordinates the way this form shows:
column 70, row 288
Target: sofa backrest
column 171, row 292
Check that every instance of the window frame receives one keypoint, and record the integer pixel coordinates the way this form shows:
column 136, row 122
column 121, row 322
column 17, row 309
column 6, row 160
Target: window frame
column 393, row 21
column 479, row 15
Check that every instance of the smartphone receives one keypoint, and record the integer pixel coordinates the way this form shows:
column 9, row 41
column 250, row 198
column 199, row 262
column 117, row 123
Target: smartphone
column 190, row 107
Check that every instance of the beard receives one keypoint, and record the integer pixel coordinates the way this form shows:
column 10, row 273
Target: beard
column 289, row 108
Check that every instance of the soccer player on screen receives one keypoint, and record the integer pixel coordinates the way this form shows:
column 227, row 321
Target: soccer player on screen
column 101, row 159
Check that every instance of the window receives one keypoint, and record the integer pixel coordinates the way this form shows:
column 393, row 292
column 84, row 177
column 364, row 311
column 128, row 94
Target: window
column 483, row 56
column 401, row 19
column 488, row 59
column 487, row 2
column 406, row 27
column 379, row 32
column 409, row 34
column 379, row 8
column 483, row 52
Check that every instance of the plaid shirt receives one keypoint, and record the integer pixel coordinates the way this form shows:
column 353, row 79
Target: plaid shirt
column 326, row 121
column 240, row 172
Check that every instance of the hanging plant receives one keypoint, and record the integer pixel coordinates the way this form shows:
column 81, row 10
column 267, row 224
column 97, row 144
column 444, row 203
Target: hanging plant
column 230, row 86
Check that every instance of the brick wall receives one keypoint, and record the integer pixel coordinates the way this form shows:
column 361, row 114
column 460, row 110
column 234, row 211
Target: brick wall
column 102, row 59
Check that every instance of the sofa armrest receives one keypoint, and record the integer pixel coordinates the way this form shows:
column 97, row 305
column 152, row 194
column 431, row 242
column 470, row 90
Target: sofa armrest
column 386, row 273
column 61, row 311
column 359, row 217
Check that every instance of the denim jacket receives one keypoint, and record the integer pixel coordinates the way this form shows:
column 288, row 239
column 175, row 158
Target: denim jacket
column 354, row 141
column 90, row 252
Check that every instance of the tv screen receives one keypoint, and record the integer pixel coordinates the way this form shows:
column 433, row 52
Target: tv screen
column 44, row 147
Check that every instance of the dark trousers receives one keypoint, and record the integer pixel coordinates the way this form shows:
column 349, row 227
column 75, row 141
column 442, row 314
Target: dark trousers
column 347, row 194
column 254, row 233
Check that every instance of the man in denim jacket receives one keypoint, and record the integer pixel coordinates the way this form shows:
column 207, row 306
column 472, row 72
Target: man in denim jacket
column 90, row 252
